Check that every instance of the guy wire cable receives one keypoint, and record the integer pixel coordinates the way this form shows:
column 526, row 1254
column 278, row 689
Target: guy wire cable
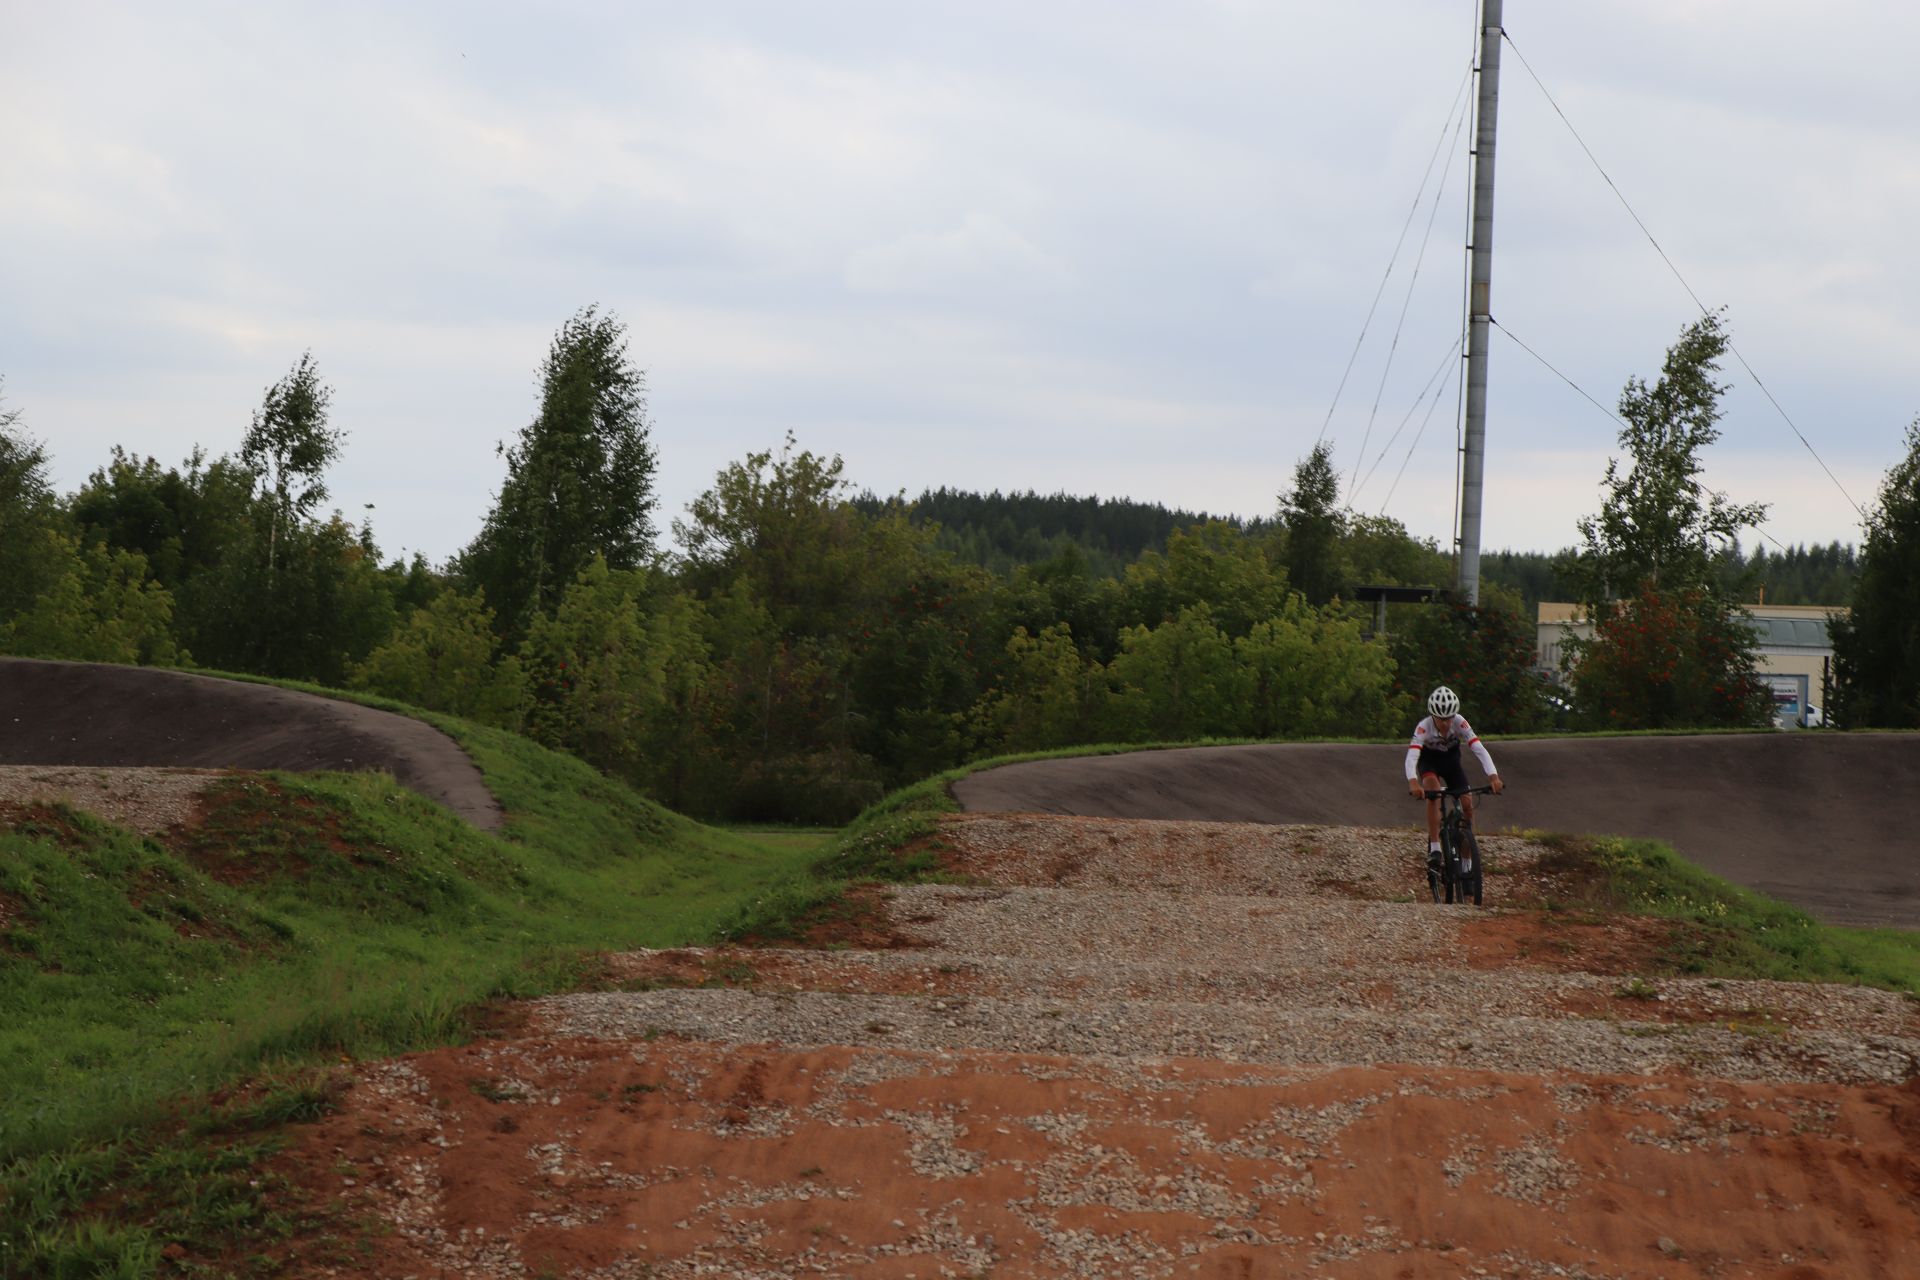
column 1407, row 301
column 1507, row 35
column 1394, row 258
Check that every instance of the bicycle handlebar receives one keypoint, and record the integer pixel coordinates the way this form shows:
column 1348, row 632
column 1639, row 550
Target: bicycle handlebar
column 1459, row 791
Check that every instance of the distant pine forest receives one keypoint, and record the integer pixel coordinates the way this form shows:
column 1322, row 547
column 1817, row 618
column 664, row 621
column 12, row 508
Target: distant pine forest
column 1004, row 531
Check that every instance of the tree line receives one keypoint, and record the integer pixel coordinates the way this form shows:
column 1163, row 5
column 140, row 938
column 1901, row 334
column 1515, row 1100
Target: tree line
column 799, row 647
column 1001, row 532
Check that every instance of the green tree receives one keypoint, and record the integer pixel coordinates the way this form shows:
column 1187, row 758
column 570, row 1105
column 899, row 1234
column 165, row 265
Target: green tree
column 915, row 672
column 1178, row 681
column 1379, row 551
column 1667, row 660
column 848, row 640
column 1659, row 527
column 326, row 606
column 1064, row 589
column 1314, row 526
column 98, row 606
column 785, row 525
column 1876, row 647
column 1049, row 695
column 579, row 480
column 445, row 657
column 29, row 563
column 1657, row 550
column 1313, row 673
column 621, row 676
column 184, row 520
column 1485, row 653
column 1212, row 564
column 288, row 449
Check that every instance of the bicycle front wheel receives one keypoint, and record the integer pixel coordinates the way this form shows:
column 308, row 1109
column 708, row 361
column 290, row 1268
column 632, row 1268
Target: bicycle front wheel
column 1475, row 879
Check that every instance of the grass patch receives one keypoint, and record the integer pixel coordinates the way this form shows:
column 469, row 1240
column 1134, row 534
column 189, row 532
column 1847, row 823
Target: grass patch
column 1720, row 929
column 183, row 1197
column 895, row 841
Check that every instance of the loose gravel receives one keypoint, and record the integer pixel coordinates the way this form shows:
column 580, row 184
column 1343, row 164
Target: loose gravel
column 145, row 800
column 1157, row 939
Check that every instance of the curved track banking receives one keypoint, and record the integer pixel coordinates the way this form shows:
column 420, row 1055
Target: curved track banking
column 1819, row 820
column 78, row 713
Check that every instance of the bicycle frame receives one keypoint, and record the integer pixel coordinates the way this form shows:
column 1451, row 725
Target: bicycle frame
column 1453, row 883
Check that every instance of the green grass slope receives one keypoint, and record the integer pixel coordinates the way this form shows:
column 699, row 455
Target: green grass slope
column 317, row 915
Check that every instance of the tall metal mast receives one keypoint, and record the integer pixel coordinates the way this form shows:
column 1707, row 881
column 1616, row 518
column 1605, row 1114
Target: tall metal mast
column 1479, row 302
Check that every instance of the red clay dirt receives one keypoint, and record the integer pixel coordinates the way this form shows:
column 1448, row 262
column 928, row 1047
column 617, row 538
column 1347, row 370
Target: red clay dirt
column 670, row 1158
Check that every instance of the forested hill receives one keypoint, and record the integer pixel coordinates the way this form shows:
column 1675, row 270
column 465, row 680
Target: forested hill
column 1813, row 575
column 1002, row 531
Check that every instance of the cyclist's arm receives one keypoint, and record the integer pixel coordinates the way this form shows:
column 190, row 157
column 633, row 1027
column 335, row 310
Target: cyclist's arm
column 1485, row 757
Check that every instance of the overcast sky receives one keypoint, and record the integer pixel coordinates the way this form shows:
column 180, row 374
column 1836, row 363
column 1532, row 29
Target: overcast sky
column 1106, row 248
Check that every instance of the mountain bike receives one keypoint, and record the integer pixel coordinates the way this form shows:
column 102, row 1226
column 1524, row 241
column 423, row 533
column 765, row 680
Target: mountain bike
column 1461, row 872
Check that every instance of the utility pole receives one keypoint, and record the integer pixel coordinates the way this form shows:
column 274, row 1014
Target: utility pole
column 1479, row 302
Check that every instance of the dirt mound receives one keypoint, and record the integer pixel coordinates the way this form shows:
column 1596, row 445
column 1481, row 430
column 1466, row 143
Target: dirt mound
column 1153, row 1049
column 75, row 713
column 1814, row 819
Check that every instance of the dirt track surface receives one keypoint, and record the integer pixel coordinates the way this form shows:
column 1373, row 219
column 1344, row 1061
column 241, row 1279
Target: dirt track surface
column 1824, row 821
column 76, row 713
column 1156, row 1050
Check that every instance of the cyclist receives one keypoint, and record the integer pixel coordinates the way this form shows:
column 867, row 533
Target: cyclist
column 1433, row 758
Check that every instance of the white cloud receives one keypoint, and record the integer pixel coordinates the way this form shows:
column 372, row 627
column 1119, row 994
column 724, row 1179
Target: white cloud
column 981, row 254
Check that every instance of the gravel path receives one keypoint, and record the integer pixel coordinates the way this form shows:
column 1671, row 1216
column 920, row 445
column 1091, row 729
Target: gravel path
column 145, row 800
column 1062, row 960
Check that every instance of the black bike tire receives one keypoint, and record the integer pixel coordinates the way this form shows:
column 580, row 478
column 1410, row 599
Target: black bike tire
column 1476, row 880
column 1449, row 864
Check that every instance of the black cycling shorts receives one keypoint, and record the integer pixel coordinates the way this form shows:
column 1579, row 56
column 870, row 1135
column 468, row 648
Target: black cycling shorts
column 1444, row 763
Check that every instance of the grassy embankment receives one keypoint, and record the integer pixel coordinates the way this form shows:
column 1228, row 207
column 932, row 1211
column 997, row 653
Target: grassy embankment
column 1721, row 930
column 307, row 918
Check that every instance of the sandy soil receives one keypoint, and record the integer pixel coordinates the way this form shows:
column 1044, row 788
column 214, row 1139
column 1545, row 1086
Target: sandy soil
column 1154, row 1049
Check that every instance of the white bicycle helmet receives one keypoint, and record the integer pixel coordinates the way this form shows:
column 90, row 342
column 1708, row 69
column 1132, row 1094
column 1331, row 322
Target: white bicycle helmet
column 1443, row 702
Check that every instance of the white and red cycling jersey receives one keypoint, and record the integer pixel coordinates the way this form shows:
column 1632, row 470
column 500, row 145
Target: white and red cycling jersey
column 1446, row 733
